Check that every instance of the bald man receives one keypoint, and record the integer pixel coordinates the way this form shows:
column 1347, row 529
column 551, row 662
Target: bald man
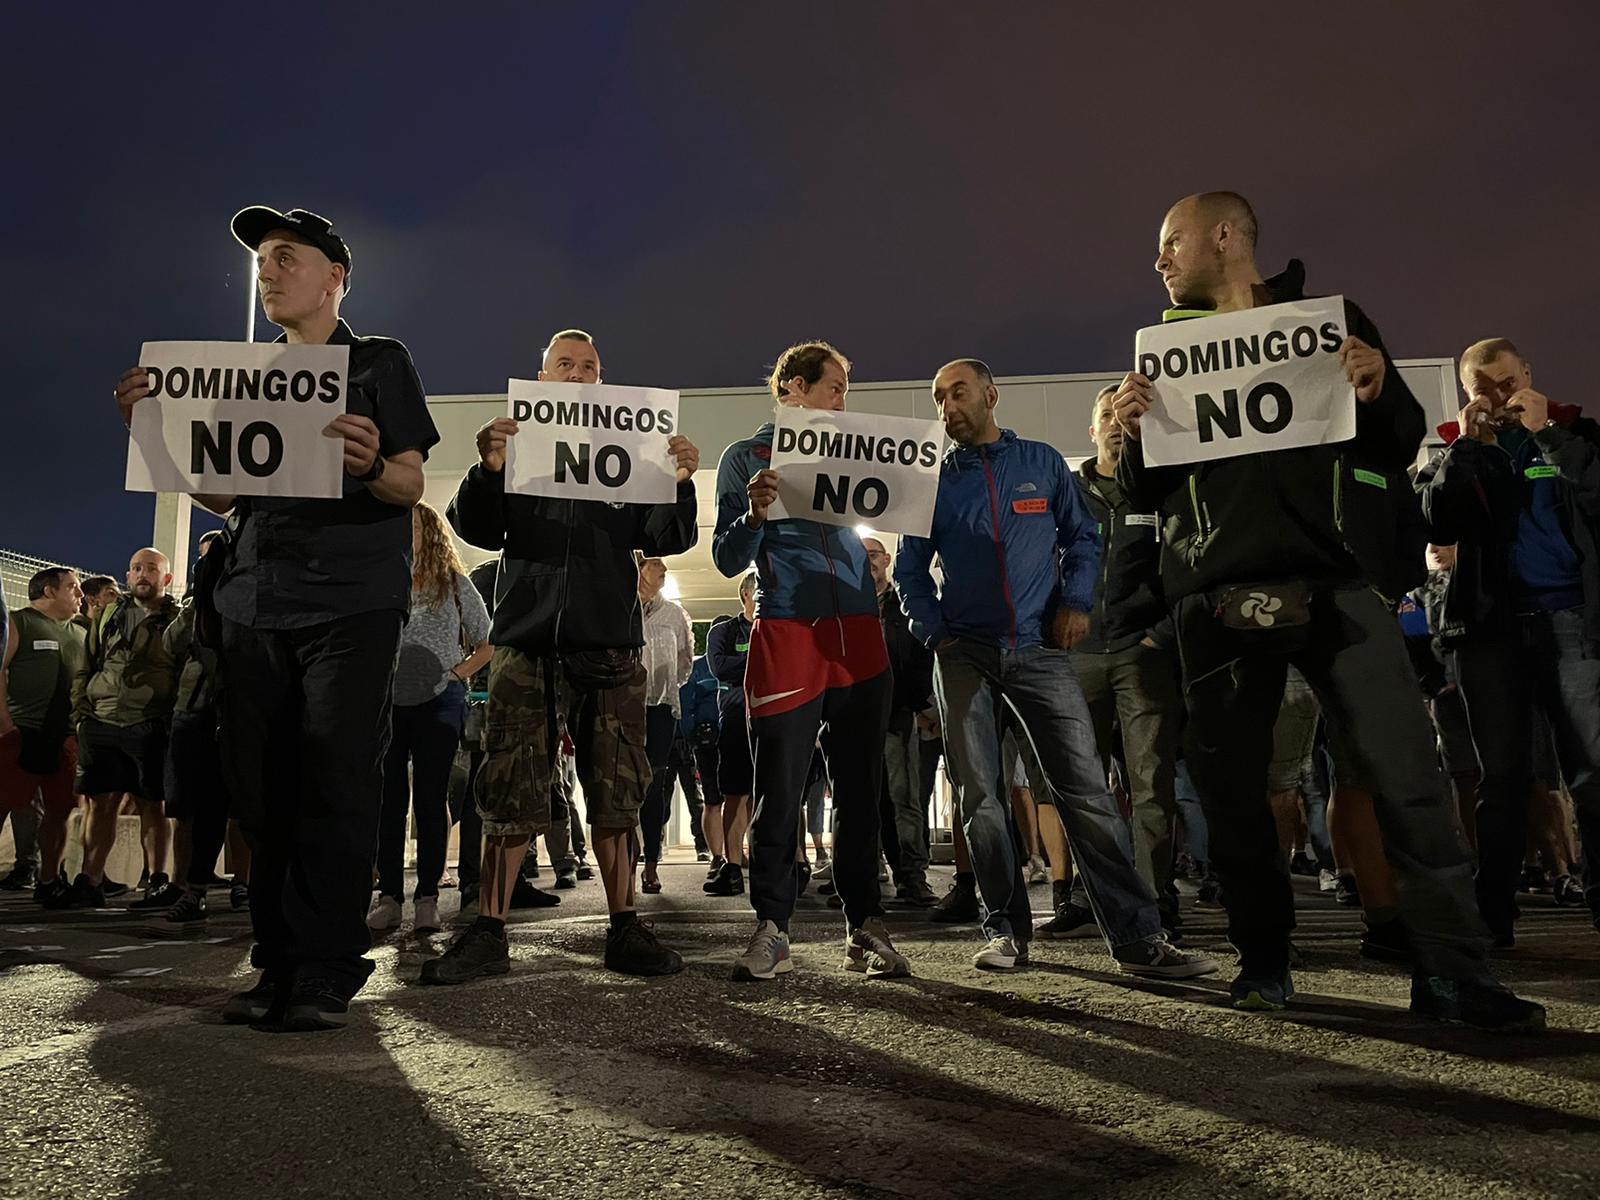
column 1319, row 530
column 121, row 706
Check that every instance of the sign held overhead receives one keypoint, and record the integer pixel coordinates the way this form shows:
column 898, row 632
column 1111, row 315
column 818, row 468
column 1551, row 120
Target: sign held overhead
column 844, row 468
column 239, row 419
column 592, row 441
column 1246, row 382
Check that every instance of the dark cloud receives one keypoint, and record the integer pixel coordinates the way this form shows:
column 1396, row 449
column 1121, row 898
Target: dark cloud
column 704, row 183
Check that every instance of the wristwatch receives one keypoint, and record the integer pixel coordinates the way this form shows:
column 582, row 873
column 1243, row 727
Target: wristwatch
column 374, row 472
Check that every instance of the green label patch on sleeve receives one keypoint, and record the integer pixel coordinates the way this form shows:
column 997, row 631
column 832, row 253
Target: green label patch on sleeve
column 1371, row 478
column 1541, row 472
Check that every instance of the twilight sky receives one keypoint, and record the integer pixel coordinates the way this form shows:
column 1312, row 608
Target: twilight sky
column 701, row 184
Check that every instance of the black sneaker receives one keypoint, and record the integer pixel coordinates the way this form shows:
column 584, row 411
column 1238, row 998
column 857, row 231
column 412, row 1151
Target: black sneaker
column 248, row 1008
column 1387, row 941
column 525, row 895
column 86, row 895
column 960, row 903
column 21, row 878
column 54, row 894
column 475, row 954
column 314, row 1005
column 803, row 880
column 1481, row 1005
column 632, row 949
column 717, row 863
column 1347, row 894
column 1567, row 891
column 111, row 889
column 1069, row 922
column 1300, row 863
column 239, row 897
column 701, row 854
column 729, row 882
column 566, row 878
column 189, row 909
column 164, row 895
column 585, row 871
column 1209, row 891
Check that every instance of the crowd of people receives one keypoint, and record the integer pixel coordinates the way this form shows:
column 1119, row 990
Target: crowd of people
column 1417, row 726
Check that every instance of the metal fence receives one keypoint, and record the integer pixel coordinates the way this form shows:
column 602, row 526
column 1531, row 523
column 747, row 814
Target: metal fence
column 16, row 569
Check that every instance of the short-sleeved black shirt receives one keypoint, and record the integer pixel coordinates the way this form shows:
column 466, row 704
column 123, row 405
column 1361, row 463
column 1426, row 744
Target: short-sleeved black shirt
column 303, row 562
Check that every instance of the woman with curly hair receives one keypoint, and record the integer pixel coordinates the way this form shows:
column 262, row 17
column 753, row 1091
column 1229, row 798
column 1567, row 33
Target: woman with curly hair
column 443, row 645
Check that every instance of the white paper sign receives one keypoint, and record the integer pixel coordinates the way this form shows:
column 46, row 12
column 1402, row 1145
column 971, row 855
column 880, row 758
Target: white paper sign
column 1246, row 382
column 592, row 441
column 239, row 419
column 844, row 468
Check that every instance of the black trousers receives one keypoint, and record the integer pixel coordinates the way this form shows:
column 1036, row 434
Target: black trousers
column 424, row 738
column 685, row 765
column 852, row 721
column 660, row 730
column 305, row 724
column 195, row 788
column 1547, row 665
column 1352, row 655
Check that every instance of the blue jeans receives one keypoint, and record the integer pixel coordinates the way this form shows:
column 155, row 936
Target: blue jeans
column 982, row 689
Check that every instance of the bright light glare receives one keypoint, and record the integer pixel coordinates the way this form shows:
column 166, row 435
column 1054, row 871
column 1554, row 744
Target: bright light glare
column 670, row 588
column 865, row 531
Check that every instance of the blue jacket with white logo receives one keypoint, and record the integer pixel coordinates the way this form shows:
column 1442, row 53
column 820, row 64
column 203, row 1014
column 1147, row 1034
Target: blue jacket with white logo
column 1016, row 543
column 805, row 569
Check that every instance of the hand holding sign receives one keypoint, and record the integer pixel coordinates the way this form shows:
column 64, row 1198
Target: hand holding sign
column 686, row 455
column 1363, row 367
column 492, row 440
column 133, row 387
column 1133, row 399
column 844, row 468
column 360, row 442
column 763, row 493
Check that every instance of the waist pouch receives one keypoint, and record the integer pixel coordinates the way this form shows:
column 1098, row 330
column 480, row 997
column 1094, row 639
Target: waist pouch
column 1255, row 607
column 599, row 670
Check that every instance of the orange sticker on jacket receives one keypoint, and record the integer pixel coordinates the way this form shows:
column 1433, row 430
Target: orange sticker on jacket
column 1030, row 506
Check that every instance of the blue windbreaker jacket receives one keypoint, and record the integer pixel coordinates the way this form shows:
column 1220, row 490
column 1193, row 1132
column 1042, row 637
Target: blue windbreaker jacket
column 1016, row 543
column 806, row 570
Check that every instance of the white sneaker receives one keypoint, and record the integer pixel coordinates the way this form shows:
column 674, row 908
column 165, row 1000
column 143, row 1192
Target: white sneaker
column 1038, row 871
column 869, row 951
column 385, row 914
column 1327, row 881
column 767, row 955
column 883, row 871
column 427, row 915
column 1001, row 954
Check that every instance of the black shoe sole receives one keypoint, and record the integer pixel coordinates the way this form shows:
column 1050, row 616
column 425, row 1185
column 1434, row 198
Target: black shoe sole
column 647, row 972
column 431, row 979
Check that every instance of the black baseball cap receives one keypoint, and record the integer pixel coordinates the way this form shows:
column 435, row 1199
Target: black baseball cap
column 251, row 226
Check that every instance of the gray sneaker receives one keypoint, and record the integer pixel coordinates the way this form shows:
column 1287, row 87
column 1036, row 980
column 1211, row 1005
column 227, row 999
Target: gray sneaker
column 869, row 951
column 1001, row 954
column 767, row 955
column 1157, row 958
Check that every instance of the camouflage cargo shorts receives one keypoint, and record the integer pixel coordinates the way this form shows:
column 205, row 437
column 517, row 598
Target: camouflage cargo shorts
column 530, row 702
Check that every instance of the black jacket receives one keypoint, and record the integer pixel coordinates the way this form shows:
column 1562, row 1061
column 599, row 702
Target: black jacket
column 727, row 648
column 567, row 579
column 1473, row 497
column 1128, row 604
column 909, row 659
column 1307, row 514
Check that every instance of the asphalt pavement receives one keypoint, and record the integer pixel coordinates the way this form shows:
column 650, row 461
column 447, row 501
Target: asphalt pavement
column 560, row 1080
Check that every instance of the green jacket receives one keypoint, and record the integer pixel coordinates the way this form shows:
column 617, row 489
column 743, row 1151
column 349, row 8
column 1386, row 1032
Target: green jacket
column 196, row 665
column 127, row 677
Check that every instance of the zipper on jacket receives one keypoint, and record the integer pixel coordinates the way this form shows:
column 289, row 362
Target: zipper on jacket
column 999, row 547
column 1338, row 495
column 1105, row 563
column 1202, row 526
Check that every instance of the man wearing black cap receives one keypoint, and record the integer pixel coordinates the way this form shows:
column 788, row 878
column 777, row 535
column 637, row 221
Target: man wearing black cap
column 311, row 596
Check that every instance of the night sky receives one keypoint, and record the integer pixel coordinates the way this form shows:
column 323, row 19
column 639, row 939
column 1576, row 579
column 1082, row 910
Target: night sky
column 702, row 184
